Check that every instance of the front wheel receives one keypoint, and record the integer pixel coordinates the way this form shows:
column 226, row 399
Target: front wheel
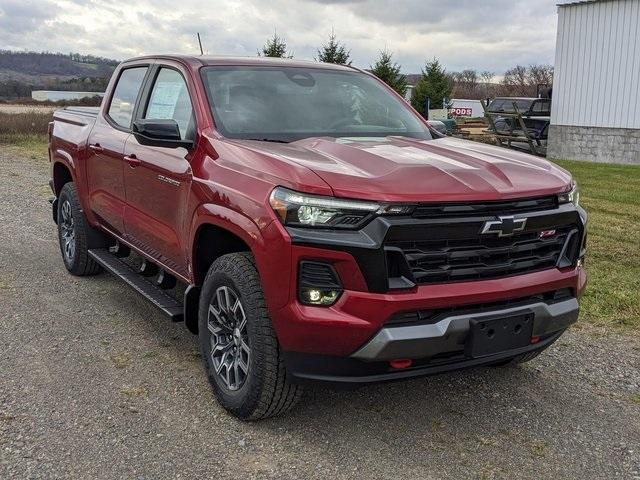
column 74, row 234
column 239, row 347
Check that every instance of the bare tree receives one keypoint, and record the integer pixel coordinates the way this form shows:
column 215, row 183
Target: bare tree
column 487, row 76
column 516, row 81
column 524, row 81
column 540, row 75
column 466, row 84
column 488, row 89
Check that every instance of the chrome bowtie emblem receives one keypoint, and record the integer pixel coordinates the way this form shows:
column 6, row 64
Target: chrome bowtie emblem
column 504, row 226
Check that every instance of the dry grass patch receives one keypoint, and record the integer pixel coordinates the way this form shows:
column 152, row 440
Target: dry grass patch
column 132, row 392
column 32, row 122
column 121, row 360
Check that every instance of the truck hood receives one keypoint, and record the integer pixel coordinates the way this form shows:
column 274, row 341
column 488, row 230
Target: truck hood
column 400, row 169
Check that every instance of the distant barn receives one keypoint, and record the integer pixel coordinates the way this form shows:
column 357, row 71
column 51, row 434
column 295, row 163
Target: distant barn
column 57, row 95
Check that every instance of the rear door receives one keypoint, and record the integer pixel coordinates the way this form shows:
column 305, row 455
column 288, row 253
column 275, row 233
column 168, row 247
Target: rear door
column 157, row 179
column 105, row 164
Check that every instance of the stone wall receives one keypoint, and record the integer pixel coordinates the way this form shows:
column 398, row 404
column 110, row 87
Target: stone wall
column 594, row 144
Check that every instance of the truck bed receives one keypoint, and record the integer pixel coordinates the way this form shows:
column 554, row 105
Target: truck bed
column 72, row 125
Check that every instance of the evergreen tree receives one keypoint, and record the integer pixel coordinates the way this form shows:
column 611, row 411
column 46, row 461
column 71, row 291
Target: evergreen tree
column 435, row 84
column 389, row 72
column 334, row 52
column 275, row 47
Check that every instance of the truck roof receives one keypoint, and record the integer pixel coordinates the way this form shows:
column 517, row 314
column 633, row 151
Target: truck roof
column 520, row 98
column 209, row 60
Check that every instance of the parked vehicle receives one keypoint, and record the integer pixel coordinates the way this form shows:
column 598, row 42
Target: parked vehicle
column 439, row 126
column 321, row 232
column 536, row 113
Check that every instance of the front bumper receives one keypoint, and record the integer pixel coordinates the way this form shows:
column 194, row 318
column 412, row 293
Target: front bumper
column 359, row 316
column 450, row 333
column 347, row 372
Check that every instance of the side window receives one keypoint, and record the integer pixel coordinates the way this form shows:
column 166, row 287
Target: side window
column 170, row 101
column 125, row 94
column 542, row 106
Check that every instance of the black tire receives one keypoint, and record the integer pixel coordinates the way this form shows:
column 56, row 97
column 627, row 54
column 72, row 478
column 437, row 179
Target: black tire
column 76, row 258
column 265, row 390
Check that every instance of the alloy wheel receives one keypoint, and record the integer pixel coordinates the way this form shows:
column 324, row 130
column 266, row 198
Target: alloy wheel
column 230, row 351
column 67, row 232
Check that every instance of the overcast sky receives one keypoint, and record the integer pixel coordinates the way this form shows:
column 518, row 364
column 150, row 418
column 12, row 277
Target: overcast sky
column 485, row 35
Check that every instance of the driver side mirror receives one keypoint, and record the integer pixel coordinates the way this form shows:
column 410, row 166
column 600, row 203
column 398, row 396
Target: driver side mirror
column 159, row 133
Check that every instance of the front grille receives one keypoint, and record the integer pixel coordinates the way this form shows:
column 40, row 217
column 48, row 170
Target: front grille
column 509, row 207
column 480, row 256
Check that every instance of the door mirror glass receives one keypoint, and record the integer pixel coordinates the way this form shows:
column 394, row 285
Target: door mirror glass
column 159, row 133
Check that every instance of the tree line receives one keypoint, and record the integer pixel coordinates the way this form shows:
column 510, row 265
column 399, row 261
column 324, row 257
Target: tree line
column 434, row 82
column 91, row 73
column 47, row 63
column 23, row 72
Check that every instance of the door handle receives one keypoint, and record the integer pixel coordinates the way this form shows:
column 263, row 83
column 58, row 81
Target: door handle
column 96, row 148
column 132, row 160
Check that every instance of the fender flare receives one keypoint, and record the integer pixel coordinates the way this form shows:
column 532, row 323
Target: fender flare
column 219, row 216
column 225, row 218
column 64, row 158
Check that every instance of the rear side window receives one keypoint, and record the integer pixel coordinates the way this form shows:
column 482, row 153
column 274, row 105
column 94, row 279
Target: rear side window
column 543, row 106
column 169, row 100
column 125, row 94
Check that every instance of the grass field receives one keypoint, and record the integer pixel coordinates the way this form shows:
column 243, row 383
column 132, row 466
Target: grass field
column 611, row 195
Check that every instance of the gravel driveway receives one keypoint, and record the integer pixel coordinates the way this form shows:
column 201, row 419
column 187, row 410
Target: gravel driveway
column 94, row 383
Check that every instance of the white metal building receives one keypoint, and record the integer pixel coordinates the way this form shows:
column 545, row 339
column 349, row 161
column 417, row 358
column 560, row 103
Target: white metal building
column 595, row 113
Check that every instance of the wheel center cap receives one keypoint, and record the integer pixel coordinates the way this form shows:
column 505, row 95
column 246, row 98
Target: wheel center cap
column 237, row 337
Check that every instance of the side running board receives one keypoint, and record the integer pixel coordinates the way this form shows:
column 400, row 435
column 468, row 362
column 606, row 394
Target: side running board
column 166, row 303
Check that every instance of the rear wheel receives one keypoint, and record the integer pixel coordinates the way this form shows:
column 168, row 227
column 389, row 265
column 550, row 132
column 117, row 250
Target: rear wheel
column 74, row 233
column 239, row 347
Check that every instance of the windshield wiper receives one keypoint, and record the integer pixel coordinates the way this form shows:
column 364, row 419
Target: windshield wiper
column 274, row 140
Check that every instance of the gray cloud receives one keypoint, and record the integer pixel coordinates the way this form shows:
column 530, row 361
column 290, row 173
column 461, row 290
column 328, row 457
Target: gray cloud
column 18, row 16
column 493, row 34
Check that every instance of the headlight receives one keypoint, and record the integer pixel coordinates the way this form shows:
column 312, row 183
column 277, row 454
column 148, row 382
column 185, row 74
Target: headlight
column 572, row 196
column 301, row 209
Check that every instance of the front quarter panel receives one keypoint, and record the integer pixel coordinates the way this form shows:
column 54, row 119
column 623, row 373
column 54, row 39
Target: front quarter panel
column 230, row 194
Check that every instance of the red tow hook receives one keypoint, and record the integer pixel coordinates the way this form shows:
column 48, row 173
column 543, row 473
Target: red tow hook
column 401, row 363
column 534, row 340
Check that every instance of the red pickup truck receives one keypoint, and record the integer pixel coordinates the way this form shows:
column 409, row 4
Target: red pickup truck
column 317, row 229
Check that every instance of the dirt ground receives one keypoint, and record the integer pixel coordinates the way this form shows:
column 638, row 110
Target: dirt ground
column 94, row 383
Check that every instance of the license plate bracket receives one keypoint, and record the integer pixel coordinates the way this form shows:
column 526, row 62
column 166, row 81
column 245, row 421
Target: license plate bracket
column 495, row 335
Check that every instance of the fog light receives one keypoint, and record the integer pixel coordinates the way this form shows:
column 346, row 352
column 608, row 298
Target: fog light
column 318, row 284
column 314, row 296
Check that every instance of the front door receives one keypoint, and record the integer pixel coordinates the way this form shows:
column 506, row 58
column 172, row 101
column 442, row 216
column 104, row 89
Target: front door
column 158, row 180
column 105, row 168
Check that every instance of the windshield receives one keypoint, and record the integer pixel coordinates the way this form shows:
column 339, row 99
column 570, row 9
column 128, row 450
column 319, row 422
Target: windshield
column 506, row 104
column 292, row 103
